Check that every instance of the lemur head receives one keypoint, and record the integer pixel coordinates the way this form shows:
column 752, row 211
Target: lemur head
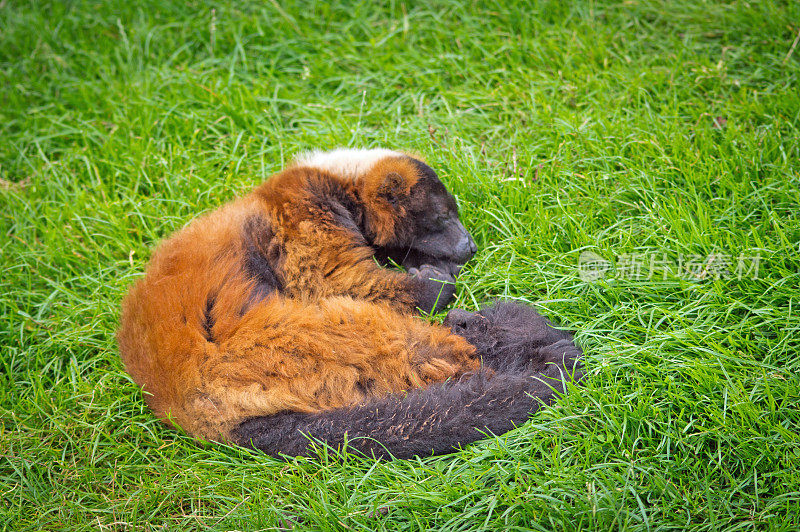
column 411, row 218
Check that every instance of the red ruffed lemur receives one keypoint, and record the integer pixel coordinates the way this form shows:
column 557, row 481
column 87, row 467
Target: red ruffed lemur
column 272, row 322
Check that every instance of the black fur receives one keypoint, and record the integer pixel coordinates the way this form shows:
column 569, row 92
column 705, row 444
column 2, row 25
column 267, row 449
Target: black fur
column 261, row 258
column 343, row 209
column 528, row 364
column 515, row 338
column 208, row 319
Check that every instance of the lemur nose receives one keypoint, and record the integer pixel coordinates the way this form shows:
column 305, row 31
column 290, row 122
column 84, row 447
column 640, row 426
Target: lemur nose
column 466, row 247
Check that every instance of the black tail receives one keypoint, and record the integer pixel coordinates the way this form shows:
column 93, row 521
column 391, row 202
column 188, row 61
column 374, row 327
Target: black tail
column 527, row 373
column 435, row 420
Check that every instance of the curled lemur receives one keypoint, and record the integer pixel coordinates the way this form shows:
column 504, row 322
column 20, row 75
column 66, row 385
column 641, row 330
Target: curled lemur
column 269, row 323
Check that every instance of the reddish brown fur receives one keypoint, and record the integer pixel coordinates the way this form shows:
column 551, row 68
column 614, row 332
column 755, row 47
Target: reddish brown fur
column 339, row 331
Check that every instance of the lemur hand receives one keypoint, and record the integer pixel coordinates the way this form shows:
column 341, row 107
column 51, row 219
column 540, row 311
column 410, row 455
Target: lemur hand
column 437, row 287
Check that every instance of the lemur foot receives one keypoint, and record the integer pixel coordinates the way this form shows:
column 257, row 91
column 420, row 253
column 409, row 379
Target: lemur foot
column 514, row 337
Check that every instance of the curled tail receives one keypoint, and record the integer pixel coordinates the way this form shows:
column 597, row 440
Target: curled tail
column 435, row 420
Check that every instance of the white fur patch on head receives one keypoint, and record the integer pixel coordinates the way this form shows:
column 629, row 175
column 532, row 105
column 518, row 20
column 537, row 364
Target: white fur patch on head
column 349, row 163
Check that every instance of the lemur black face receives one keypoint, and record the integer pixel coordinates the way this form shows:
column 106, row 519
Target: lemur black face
column 438, row 232
column 433, row 233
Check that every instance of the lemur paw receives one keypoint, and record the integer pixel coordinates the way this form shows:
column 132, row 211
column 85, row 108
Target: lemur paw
column 438, row 287
column 513, row 337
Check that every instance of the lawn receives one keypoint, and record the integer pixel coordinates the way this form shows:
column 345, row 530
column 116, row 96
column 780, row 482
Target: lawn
column 659, row 140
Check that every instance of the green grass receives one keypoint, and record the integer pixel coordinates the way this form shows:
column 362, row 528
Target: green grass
column 618, row 128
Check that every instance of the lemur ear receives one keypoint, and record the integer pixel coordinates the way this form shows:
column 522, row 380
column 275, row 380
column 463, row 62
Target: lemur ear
column 384, row 193
column 384, row 190
column 392, row 186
